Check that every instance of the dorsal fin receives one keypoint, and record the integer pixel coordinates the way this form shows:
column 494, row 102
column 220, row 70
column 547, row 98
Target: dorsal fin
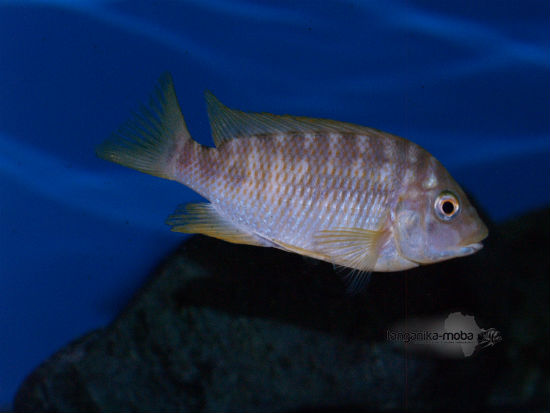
column 229, row 123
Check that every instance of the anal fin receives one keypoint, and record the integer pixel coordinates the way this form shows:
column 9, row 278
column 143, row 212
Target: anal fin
column 203, row 218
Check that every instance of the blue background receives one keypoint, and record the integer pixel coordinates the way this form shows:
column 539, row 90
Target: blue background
column 467, row 80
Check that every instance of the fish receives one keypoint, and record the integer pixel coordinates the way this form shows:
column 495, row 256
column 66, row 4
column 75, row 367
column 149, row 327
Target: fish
column 350, row 195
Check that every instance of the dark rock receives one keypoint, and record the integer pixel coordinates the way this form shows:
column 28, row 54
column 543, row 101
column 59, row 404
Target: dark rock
column 223, row 327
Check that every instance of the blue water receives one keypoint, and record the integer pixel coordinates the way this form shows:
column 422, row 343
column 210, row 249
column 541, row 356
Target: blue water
column 467, row 80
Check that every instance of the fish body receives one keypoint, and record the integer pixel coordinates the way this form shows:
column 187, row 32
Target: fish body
column 343, row 193
column 285, row 188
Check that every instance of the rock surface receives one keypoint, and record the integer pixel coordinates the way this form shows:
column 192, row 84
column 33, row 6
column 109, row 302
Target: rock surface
column 223, row 327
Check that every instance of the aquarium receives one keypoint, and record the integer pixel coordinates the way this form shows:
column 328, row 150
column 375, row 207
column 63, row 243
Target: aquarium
column 80, row 237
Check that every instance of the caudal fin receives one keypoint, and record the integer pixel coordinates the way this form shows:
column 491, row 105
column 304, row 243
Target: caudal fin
column 148, row 141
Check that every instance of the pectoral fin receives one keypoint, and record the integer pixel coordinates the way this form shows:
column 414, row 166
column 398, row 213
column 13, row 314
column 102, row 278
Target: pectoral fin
column 355, row 248
column 355, row 280
column 203, row 218
column 351, row 247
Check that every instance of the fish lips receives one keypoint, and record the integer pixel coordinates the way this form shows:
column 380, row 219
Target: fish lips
column 460, row 251
column 468, row 249
column 456, row 252
column 472, row 244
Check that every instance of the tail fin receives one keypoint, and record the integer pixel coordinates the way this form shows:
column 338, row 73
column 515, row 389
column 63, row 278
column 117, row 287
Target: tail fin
column 148, row 141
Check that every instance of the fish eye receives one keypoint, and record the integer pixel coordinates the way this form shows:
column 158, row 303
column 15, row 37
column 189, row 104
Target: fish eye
column 446, row 206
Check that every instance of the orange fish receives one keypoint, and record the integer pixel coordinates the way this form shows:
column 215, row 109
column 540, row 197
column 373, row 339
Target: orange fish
column 338, row 192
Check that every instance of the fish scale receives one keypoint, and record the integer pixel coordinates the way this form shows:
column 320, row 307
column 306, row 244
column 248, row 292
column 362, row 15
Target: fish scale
column 343, row 193
column 255, row 175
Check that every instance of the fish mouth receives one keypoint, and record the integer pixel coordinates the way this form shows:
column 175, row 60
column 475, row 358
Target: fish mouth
column 460, row 251
column 469, row 249
column 476, row 237
column 473, row 244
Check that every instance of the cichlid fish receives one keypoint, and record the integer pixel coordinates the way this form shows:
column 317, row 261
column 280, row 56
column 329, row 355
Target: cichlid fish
column 347, row 194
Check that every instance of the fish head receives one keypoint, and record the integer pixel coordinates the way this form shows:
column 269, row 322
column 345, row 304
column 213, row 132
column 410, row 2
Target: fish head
column 433, row 220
